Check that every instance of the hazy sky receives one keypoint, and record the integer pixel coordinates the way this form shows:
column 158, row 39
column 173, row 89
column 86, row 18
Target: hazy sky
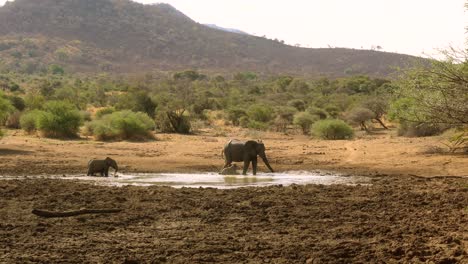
column 405, row 26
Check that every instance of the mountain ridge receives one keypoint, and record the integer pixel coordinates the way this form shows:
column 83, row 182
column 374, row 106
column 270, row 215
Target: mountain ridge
column 125, row 36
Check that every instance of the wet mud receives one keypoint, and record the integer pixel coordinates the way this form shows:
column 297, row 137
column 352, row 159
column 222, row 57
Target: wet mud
column 392, row 220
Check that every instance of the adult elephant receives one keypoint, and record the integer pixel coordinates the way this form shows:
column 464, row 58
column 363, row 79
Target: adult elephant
column 102, row 166
column 246, row 151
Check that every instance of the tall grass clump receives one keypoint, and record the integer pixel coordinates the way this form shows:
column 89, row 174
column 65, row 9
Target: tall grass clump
column 332, row 129
column 122, row 125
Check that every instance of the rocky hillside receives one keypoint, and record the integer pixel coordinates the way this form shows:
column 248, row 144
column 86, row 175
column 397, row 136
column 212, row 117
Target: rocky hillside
column 124, row 36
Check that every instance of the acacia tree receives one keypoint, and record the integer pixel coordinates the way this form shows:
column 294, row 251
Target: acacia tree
column 437, row 94
column 359, row 116
column 378, row 106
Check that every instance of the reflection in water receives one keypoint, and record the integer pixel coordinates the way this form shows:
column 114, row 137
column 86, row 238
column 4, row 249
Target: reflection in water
column 214, row 180
column 246, row 180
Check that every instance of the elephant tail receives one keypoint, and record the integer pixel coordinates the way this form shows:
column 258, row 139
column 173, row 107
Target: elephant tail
column 223, row 152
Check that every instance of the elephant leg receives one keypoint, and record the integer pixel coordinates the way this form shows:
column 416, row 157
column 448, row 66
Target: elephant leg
column 246, row 166
column 106, row 172
column 227, row 164
column 254, row 166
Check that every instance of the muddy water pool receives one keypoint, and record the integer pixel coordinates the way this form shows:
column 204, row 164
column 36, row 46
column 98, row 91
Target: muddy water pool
column 214, row 180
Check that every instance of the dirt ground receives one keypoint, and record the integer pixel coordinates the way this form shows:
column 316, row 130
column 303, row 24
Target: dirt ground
column 381, row 153
column 408, row 214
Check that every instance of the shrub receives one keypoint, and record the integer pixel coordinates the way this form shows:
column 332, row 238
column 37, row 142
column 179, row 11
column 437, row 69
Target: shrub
column 322, row 114
column 18, row 102
column 235, row 114
column 173, row 122
column 60, row 119
column 258, row 125
column 286, row 112
column 85, row 115
column 413, row 129
column 244, row 121
column 299, row 104
column 332, row 129
column 304, row 120
column 136, row 101
column 105, row 111
column 13, row 120
column 56, row 69
column 281, row 124
column 5, row 108
column 122, row 125
column 260, row 113
column 34, row 101
column 28, row 121
column 332, row 110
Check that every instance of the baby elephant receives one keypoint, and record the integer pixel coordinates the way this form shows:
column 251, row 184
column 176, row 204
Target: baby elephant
column 102, row 166
column 231, row 170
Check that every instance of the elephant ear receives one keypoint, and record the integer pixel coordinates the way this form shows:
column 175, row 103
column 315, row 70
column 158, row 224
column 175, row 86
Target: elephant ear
column 251, row 144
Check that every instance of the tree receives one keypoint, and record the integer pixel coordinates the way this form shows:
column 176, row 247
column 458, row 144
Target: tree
column 378, row 106
column 304, row 120
column 437, row 94
column 360, row 116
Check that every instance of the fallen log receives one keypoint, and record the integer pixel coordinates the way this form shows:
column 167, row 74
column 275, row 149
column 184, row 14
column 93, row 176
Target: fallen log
column 49, row 214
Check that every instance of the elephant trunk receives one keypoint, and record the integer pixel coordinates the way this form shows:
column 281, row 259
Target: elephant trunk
column 265, row 160
column 116, row 169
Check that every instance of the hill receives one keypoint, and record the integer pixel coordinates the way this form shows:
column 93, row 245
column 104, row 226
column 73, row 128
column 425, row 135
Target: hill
column 124, row 36
column 233, row 30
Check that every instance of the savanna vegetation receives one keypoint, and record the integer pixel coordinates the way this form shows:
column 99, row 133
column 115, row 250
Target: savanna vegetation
column 423, row 102
column 110, row 108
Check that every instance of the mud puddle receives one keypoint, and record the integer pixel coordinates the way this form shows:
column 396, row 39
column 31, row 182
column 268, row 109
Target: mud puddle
column 215, row 180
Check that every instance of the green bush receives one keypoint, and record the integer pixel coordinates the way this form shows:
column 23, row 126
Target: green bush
column 332, row 129
column 5, row 108
column 299, row 104
column 60, row 119
column 85, row 115
column 260, row 113
column 244, row 121
column 286, row 112
column 122, row 125
column 29, row 120
column 17, row 102
column 332, row 110
column 304, row 120
column 235, row 114
column 105, row 111
column 258, row 125
column 322, row 114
